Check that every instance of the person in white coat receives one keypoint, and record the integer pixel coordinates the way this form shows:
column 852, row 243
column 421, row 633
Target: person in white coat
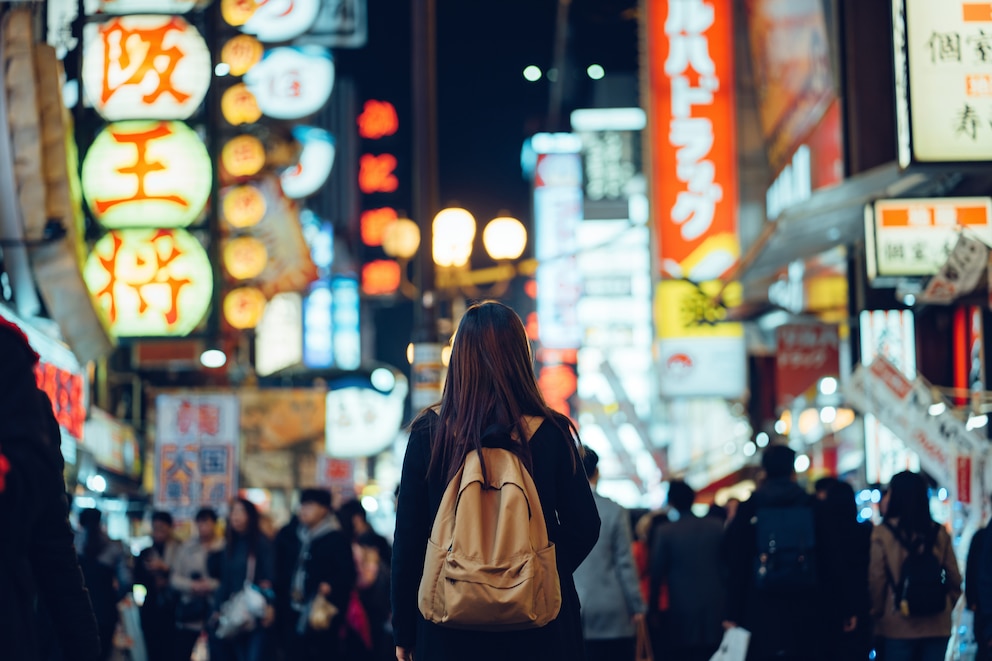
column 607, row 583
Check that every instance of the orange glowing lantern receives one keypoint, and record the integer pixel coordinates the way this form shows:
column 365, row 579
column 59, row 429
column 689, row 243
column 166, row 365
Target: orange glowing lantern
column 243, row 156
column 237, row 12
column 241, row 53
column 239, row 106
column 373, row 224
column 243, row 307
column 147, row 174
column 243, row 206
column 245, row 257
column 376, row 174
column 380, row 277
column 150, row 282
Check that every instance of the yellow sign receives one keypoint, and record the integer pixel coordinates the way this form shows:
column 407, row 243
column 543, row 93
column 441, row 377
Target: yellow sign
column 238, row 105
column 243, row 307
column 245, row 257
column 147, row 174
column 243, row 156
column 684, row 309
column 150, row 282
column 241, row 53
column 243, row 206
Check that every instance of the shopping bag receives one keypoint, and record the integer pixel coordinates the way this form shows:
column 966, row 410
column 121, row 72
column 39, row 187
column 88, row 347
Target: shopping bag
column 130, row 621
column 643, row 652
column 733, row 647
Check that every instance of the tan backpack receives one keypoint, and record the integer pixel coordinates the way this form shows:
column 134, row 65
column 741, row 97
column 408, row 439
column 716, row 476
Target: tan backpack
column 489, row 563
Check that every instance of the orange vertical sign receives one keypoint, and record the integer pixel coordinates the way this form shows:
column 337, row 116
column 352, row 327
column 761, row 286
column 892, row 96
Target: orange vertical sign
column 694, row 168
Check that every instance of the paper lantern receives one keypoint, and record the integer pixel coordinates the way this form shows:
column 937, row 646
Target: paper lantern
column 239, row 106
column 243, row 307
column 145, row 67
column 237, row 12
column 147, row 174
column 241, row 53
column 243, row 206
column 292, row 81
column 314, row 165
column 245, row 257
column 243, row 156
column 150, row 282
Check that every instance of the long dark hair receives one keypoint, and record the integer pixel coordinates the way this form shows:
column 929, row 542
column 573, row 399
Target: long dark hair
column 910, row 505
column 251, row 533
column 490, row 384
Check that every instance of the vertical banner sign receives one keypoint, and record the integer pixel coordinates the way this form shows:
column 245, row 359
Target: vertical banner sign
column 196, row 449
column 694, row 191
column 805, row 354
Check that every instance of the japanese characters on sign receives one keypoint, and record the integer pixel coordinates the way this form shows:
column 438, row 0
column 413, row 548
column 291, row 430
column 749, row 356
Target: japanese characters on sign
column 960, row 273
column 943, row 56
column 196, row 442
column 145, row 67
column 377, row 180
column 694, row 189
column 805, row 354
column 914, row 237
column 146, row 174
column 292, row 82
column 150, row 282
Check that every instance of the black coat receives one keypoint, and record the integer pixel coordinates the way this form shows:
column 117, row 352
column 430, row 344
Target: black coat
column 573, row 526
column 329, row 561
column 37, row 557
column 798, row 625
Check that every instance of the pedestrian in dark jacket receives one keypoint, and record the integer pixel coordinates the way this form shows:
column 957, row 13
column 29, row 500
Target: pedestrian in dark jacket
column 247, row 556
column 37, row 559
column 686, row 557
column 785, row 623
column 152, row 570
column 316, row 558
column 491, row 384
column 978, row 569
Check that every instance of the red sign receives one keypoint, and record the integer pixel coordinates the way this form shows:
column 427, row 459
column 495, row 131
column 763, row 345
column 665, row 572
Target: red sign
column 378, row 119
column 964, row 479
column 806, row 353
column 65, row 389
column 691, row 59
column 376, row 174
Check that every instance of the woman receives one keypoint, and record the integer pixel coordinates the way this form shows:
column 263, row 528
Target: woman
column 105, row 572
column 908, row 524
column 491, row 382
column 849, row 639
column 246, row 549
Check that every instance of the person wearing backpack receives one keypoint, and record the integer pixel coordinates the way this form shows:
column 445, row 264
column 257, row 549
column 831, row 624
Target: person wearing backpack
column 784, row 569
column 494, row 511
column 913, row 575
column 38, row 565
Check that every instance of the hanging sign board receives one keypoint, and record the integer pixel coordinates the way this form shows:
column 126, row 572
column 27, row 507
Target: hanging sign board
column 943, row 67
column 281, row 20
column 145, row 67
column 147, row 174
column 914, row 237
column 150, row 282
column 314, row 165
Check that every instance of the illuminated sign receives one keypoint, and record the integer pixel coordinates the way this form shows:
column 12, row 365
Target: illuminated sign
column 373, row 224
column 65, row 389
column 314, row 164
column 237, row 12
column 375, row 174
column 378, row 120
column 243, row 206
column 245, row 257
column 345, row 312
column 279, row 335
column 239, row 106
column 281, row 20
column 145, row 67
column 695, row 192
column 113, row 444
column 147, row 174
column 241, row 53
column 318, row 337
column 914, row 237
column 943, row 67
column 380, row 277
column 150, row 282
column 362, row 421
column 243, row 156
column 292, row 82
column 119, row 7
column 243, row 307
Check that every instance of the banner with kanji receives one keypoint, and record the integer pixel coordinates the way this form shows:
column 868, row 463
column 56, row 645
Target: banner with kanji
column 196, row 451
